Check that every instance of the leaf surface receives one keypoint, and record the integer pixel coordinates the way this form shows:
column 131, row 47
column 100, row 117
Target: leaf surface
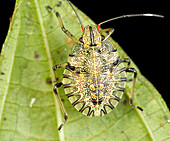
column 29, row 110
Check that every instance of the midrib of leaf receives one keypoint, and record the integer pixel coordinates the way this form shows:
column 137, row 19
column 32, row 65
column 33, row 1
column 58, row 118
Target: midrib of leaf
column 149, row 131
column 138, row 112
column 147, row 126
column 143, row 119
column 10, row 70
column 45, row 39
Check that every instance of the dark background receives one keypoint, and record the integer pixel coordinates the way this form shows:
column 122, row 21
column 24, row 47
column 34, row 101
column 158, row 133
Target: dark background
column 144, row 39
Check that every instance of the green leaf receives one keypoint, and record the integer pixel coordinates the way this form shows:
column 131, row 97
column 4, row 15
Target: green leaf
column 29, row 110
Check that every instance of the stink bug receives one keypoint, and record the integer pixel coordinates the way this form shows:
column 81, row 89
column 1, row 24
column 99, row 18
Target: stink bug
column 94, row 77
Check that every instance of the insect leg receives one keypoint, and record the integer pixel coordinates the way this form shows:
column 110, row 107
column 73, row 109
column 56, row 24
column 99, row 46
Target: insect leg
column 110, row 30
column 66, row 66
column 127, row 60
column 59, row 66
column 56, row 86
column 62, row 25
column 105, row 30
column 56, row 67
column 131, row 70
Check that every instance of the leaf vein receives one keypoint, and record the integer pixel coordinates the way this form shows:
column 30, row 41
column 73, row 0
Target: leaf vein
column 9, row 74
column 46, row 44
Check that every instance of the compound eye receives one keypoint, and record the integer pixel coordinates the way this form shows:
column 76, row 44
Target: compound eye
column 81, row 39
column 102, row 37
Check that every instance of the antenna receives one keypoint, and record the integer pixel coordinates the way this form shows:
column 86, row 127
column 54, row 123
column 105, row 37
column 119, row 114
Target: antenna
column 130, row 15
column 76, row 15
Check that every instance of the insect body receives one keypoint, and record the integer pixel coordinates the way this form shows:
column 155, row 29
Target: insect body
column 95, row 84
column 94, row 78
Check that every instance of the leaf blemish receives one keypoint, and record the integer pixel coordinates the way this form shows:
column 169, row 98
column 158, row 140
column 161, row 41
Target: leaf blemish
column 104, row 130
column 2, row 73
column 137, row 95
column 161, row 125
column 48, row 81
column 51, row 27
column 29, row 3
column 25, row 66
column 59, row 4
column 32, row 102
column 124, row 102
column 36, row 55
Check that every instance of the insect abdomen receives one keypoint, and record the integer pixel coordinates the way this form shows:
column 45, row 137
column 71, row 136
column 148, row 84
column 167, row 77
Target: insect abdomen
column 95, row 86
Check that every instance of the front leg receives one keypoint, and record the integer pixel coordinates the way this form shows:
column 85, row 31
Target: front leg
column 62, row 25
column 109, row 30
